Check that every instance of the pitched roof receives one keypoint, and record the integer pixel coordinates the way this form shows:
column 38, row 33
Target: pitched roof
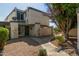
column 13, row 11
column 10, row 13
column 46, row 14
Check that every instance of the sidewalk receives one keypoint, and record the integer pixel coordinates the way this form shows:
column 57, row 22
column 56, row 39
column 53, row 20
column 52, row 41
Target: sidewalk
column 50, row 48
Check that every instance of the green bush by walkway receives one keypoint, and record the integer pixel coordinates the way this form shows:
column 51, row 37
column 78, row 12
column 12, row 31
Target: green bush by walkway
column 4, row 36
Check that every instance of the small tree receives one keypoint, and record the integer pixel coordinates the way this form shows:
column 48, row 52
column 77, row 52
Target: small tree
column 64, row 15
column 4, row 35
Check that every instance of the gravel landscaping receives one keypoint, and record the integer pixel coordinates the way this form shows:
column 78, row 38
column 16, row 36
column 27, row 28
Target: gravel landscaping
column 21, row 47
column 70, row 50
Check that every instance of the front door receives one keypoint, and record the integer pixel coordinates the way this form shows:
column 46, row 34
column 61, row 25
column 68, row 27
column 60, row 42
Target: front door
column 26, row 30
column 21, row 30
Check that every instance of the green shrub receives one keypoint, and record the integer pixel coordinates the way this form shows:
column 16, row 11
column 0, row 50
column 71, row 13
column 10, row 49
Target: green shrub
column 42, row 52
column 4, row 35
column 60, row 38
column 57, row 30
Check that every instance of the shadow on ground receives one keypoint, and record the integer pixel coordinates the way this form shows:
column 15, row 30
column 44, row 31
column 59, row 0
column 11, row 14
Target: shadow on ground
column 30, row 41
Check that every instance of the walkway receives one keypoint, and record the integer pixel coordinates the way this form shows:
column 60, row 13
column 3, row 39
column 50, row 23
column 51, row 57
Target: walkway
column 50, row 48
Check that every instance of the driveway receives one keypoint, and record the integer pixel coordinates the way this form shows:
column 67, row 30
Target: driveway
column 21, row 47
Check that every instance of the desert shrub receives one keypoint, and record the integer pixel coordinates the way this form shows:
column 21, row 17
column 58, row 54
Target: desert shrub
column 4, row 35
column 42, row 52
column 60, row 38
column 56, row 30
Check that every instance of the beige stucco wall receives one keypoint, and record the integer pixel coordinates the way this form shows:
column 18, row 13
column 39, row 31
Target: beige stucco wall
column 45, row 31
column 37, row 17
column 14, row 30
column 31, row 31
column 34, row 31
column 13, row 14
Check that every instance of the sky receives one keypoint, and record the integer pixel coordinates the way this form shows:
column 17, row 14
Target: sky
column 6, row 8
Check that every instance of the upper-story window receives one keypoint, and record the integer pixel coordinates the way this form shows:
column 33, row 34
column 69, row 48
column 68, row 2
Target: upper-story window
column 20, row 15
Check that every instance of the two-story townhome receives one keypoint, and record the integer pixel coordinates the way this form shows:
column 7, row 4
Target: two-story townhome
column 30, row 22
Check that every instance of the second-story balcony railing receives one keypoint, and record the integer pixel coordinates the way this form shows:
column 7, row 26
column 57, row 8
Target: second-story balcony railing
column 16, row 19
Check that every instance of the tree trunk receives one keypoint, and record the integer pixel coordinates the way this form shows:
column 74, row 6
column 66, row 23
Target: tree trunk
column 66, row 36
column 52, row 33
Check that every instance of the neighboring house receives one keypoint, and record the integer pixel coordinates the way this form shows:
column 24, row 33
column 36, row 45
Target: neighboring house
column 73, row 33
column 73, row 36
column 30, row 22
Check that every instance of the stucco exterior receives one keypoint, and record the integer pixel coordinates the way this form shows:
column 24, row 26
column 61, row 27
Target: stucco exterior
column 34, row 30
column 37, row 17
column 14, row 30
column 37, row 30
column 10, row 16
column 45, row 31
column 32, row 18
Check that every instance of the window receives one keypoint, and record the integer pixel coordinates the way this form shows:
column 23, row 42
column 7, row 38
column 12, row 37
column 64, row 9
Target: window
column 20, row 15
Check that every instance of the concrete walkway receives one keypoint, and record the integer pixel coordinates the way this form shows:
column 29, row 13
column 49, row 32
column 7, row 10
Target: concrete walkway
column 50, row 48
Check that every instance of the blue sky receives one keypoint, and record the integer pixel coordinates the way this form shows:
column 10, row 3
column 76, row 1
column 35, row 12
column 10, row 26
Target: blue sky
column 6, row 8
